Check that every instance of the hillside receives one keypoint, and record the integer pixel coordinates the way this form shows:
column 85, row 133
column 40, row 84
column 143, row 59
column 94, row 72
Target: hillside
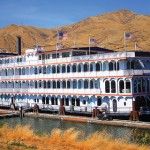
column 108, row 29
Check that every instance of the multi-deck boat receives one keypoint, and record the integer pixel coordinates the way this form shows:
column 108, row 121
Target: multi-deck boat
column 118, row 81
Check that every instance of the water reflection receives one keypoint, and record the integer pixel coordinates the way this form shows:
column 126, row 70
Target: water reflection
column 47, row 125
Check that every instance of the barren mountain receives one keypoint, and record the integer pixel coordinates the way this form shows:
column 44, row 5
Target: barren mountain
column 108, row 29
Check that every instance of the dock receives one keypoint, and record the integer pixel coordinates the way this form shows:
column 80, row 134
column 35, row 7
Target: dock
column 115, row 122
column 8, row 114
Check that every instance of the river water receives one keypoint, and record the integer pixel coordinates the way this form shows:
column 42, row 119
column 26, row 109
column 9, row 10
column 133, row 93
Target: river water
column 47, row 125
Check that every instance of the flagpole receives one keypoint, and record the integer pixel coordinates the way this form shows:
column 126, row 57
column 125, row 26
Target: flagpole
column 124, row 41
column 36, row 42
column 57, row 39
column 89, row 46
column 135, row 48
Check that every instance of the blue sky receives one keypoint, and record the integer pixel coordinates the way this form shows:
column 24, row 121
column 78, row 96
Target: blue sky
column 54, row 13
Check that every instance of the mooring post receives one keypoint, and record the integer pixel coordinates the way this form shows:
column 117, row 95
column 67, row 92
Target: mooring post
column 134, row 113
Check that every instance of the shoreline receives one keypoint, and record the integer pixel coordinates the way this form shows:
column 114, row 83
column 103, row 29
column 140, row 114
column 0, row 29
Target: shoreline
column 115, row 122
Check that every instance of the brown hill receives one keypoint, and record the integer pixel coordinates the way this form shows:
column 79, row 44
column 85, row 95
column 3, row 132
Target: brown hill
column 108, row 29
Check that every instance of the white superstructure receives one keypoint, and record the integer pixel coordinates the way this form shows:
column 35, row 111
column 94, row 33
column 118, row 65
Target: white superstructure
column 104, row 78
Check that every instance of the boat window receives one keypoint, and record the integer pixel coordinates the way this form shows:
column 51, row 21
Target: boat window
column 65, row 54
column 86, row 84
column 107, row 87
column 99, row 101
column 114, row 105
column 121, row 86
column 113, row 87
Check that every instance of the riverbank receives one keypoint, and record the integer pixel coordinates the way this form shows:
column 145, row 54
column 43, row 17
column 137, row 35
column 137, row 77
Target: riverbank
column 23, row 138
column 115, row 122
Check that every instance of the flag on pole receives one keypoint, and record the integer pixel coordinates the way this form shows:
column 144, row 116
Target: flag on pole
column 62, row 35
column 59, row 46
column 65, row 36
column 129, row 35
column 93, row 41
column 136, row 46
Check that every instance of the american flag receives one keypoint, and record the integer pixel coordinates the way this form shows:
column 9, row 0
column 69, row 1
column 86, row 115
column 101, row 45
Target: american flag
column 59, row 45
column 129, row 36
column 62, row 35
column 65, row 36
column 93, row 41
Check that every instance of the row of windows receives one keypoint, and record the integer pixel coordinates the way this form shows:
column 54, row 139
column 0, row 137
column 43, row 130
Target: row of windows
column 109, row 66
column 61, row 69
column 54, row 84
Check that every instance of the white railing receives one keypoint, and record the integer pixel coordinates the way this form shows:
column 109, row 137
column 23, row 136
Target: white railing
column 51, row 91
column 76, row 74
column 71, row 59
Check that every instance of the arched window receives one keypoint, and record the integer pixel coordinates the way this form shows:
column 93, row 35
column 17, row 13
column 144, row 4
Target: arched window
column 79, row 68
column 97, row 84
column 111, row 66
column 86, row 84
column 20, row 71
column 117, row 66
column 63, row 69
column 40, row 70
column 132, row 64
column 74, row 84
column 91, row 67
column 97, row 66
column 68, row 68
column 58, row 69
column 48, row 69
column 63, row 84
column 53, row 69
column 74, row 69
column 121, row 86
column 99, row 101
column 91, row 84
column 128, row 64
column 58, row 84
column 54, row 84
column 40, row 84
column 44, row 70
column 48, row 84
column 107, row 87
column 85, row 67
column 23, row 71
column 113, row 86
column 47, row 100
column 79, row 84
column 36, row 84
column 128, row 86
column 68, row 85
column 45, row 85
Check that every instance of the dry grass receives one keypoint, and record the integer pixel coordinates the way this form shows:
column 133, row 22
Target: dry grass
column 23, row 138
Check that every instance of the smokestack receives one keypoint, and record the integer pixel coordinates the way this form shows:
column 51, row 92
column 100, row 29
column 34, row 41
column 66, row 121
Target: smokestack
column 19, row 45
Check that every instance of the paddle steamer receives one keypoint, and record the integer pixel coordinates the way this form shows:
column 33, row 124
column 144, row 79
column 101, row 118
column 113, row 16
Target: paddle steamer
column 99, row 78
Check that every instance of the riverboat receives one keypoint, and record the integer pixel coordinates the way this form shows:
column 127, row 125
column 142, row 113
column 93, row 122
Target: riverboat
column 80, row 79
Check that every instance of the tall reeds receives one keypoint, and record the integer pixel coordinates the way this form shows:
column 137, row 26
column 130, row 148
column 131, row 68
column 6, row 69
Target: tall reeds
column 23, row 138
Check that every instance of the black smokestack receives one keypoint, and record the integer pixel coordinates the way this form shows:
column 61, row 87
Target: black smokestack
column 19, row 45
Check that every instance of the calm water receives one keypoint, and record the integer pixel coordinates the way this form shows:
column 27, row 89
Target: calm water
column 47, row 125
